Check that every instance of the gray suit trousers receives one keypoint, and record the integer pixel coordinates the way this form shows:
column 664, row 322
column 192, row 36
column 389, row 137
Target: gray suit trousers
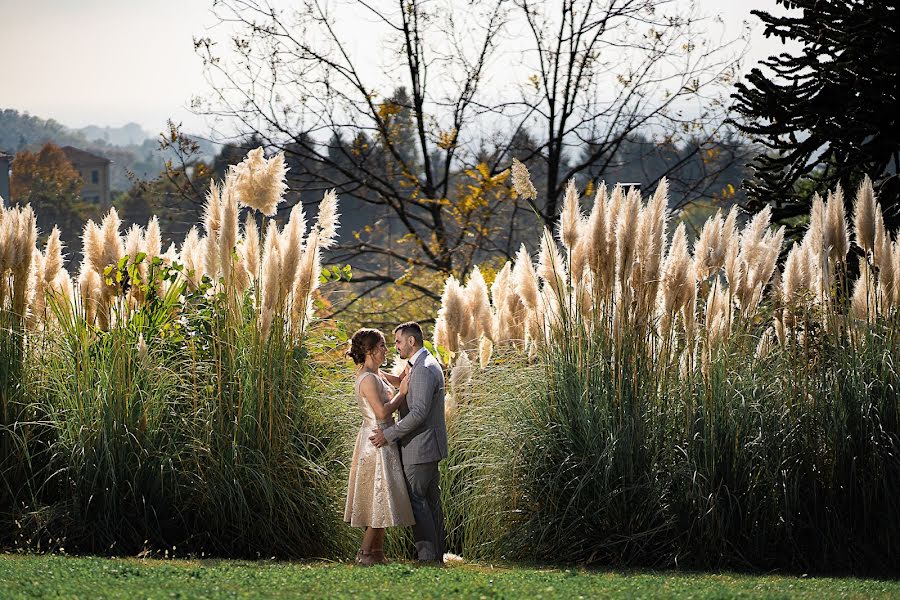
column 423, row 483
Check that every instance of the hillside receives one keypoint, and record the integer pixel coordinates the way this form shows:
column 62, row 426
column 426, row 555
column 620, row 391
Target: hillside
column 130, row 148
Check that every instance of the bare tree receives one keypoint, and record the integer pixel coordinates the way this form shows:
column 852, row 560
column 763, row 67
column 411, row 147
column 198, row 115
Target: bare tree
column 606, row 72
column 420, row 148
column 297, row 82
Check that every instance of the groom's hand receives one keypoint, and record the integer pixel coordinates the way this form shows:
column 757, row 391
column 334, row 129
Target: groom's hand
column 378, row 438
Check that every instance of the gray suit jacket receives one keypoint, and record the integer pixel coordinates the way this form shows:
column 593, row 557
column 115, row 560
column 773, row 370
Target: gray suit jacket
column 421, row 431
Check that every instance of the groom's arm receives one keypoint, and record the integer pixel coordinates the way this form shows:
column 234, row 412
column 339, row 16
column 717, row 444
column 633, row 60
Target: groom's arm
column 419, row 399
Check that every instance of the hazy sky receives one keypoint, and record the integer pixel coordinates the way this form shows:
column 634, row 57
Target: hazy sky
column 108, row 62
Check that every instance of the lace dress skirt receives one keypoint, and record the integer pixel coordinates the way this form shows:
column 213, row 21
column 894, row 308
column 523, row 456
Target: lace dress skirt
column 376, row 491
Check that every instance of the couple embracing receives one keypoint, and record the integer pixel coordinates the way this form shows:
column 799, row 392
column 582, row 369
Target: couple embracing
column 394, row 480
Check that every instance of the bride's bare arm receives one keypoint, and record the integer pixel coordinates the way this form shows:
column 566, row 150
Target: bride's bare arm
column 370, row 388
column 400, row 397
column 393, row 379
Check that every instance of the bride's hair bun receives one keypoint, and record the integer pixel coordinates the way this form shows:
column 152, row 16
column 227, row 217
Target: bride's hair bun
column 362, row 343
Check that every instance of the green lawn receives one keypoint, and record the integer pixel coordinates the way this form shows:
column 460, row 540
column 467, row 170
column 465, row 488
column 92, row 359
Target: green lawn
column 30, row 576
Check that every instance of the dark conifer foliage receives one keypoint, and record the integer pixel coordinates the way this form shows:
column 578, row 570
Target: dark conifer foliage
column 827, row 113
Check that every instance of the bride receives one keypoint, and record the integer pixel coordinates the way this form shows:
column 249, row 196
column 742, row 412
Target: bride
column 376, row 492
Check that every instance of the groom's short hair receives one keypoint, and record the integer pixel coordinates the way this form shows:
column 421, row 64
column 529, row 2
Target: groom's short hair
column 411, row 328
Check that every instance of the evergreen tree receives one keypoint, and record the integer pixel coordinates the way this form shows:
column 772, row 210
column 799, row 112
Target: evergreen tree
column 827, row 114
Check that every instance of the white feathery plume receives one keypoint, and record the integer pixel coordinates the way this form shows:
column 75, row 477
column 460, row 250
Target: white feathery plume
column 90, row 288
column 270, row 282
column 881, row 247
column 260, row 183
column 500, row 289
column 228, row 233
column 626, row 225
column 22, row 264
column 658, row 214
column 551, row 267
column 522, row 180
column 451, row 315
column 306, row 284
column 677, row 276
column 461, row 373
column 863, row 300
column 35, row 297
column 92, row 243
column 189, row 254
column 864, row 215
column 525, row 280
column 134, row 241
column 570, row 218
column 152, row 238
column 887, row 274
column 706, row 249
column 837, row 236
column 53, row 259
column 478, row 305
column 250, row 247
column 328, row 220
column 113, row 246
column 212, row 221
column 596, row 233
column 486, row 347
column 291, row 244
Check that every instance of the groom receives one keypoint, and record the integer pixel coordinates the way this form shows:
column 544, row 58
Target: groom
column 421, row 434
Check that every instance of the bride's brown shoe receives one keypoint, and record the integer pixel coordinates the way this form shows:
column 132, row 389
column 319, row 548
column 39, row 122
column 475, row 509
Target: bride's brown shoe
column 364, row 559
column 379, row 558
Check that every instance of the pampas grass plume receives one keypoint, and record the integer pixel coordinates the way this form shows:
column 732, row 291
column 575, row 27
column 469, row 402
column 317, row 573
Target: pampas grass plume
column 460, row 373
column 328, row 220
column 677, row 276
column 113, row 245
column 837, row 236
column 478, row 305
column 291, row 244
column 270, row 282
column 212, row 221
column 250, row 248
column 260, row 183
column 863, row 300
column 525, row 282
column 551, row 267
column 228, row 232
column 152, row 238
column 522, row 180
column 864, row 215
column 486, row 347
column 570, row 219
column 452, row 313
column 53, row 259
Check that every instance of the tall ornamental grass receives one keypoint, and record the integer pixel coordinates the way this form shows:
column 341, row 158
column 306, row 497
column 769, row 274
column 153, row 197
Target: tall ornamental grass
column 698, row 407
column 168, row 400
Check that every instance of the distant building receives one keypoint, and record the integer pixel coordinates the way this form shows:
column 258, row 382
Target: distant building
column 94, row 171
column 5, row 162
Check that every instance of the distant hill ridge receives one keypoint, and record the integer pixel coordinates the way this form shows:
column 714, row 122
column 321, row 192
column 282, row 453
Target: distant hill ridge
column 129, row 147
column 130, row 134
column 22, row 130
